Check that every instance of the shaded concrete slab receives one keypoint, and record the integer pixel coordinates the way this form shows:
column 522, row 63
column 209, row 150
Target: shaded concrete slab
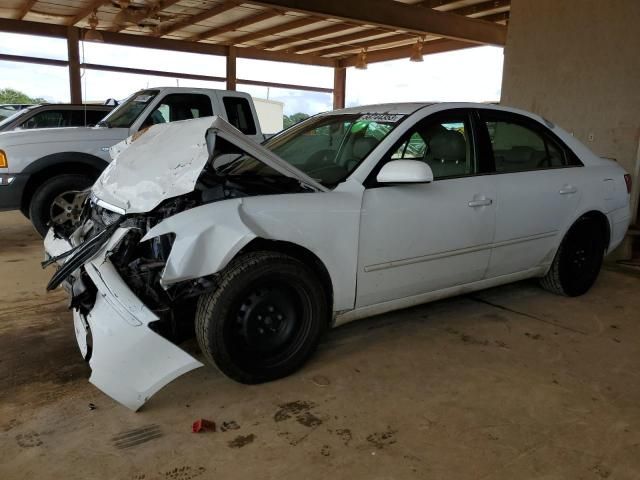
column 507, row 383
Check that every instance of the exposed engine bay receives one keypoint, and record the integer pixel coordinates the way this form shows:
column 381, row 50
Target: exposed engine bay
column 141, row 263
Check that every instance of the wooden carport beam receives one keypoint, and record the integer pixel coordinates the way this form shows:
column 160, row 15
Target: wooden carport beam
column 400, row 16
column 73, row 52
column 231, row 68
column 339, row 87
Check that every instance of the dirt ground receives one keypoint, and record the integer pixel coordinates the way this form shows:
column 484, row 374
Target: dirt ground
column 509, row 383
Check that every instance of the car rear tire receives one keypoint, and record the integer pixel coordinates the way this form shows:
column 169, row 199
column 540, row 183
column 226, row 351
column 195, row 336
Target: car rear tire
column 56, row 190
column 265, row 318
column 578, row 260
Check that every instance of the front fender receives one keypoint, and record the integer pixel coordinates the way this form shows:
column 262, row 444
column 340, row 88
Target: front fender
column 208, row 237
column 203, row 245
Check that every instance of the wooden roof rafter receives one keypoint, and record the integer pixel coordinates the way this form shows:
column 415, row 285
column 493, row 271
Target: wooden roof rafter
column 399, row 16
column 338, row 42
column 26, row 7
column 87, row 10
column 191, row 20
column 337, row 27
column 238, row 24
column 346, row 41
column 267, row 32
column 153, row 9
column 304, row 31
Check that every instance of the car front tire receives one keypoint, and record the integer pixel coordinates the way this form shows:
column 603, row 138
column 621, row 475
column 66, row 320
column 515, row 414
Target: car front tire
column 265, row 318
column 578, row 260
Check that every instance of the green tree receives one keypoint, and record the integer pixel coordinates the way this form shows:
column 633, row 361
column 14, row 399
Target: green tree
column 9, row 95
column 290, row 120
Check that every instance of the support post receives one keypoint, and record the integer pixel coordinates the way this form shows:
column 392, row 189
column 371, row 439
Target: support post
column 231, row 68
column 339, row 87
column 75, row 85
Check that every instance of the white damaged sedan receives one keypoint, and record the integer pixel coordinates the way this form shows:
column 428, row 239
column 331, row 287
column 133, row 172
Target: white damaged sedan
column 260, row 248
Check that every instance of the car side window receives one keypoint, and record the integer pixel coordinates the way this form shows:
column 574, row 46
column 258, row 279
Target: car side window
column 81, row 118
column 444, row 142
column 239, row 114
column 47, row 119
column 518, row 147
column 180, row 106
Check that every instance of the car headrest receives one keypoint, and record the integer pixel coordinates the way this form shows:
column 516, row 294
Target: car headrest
column 519, row 155
column 448, row 145
column 362, row 147
column 182, row 113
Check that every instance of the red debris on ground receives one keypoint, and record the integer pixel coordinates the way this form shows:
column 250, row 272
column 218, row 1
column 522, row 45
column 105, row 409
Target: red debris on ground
column 203, row 425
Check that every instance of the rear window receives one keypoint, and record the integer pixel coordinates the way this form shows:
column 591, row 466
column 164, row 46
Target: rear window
column 239, row 114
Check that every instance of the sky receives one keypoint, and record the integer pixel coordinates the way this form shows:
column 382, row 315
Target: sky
column 473, row 74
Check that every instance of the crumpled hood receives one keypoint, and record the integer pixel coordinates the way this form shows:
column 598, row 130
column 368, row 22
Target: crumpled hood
column 66, row 134
column 166, row 160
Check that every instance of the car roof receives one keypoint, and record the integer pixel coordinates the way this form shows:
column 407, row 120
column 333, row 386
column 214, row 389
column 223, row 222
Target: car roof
column 409, row 108
column 390, row 108
column 72, row 106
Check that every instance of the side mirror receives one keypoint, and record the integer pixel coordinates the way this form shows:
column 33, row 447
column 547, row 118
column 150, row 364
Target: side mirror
column 405, row 171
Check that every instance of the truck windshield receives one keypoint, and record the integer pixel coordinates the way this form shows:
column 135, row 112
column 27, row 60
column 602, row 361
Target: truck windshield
column 128, row 111
column 327, row 148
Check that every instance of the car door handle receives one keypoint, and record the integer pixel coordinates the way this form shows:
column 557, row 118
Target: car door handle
column 481, row 203
column 567, row 190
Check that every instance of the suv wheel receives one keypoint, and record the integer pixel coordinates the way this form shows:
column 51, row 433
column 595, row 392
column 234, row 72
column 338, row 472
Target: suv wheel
column 265, row 318
column 53, row 201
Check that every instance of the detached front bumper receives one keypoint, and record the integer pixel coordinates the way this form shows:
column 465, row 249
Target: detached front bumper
column 128, row 360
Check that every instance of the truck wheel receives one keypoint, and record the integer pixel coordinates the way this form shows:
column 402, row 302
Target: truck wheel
column 265, row 318
column 53, row 201
column 578, row 260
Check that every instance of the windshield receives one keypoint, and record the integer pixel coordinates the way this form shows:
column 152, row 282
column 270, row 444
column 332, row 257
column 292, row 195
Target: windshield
column 327, row 148
column 13, row 115
column 128, row 111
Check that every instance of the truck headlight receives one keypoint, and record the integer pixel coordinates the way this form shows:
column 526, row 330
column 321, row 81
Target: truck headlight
column 3, row 160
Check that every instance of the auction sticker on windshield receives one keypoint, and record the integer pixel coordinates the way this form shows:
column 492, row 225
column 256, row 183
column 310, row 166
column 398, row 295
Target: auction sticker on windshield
column 143, row 98
column 381, row 117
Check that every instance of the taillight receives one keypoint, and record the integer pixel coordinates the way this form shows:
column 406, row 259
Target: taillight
column 627, row 180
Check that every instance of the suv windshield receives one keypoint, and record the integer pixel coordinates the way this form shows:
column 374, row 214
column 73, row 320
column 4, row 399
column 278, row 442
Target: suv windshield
column 327, row 148
column 15, row 115
column 127, row 112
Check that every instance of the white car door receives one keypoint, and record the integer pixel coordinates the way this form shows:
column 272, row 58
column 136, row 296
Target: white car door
column 419, row 238
column 538, row 191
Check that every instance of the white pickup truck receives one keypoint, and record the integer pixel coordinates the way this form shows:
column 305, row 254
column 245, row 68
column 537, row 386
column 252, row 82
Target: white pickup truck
column 40, row 171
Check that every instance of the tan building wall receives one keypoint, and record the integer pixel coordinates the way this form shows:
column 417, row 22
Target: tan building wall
column 577, row 63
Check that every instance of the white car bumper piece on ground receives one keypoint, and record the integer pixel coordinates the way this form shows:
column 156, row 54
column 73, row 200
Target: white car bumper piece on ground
column 351, row 213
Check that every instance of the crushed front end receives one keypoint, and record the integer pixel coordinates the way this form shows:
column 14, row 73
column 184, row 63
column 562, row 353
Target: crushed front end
column 148, row 245
column 123, row 320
